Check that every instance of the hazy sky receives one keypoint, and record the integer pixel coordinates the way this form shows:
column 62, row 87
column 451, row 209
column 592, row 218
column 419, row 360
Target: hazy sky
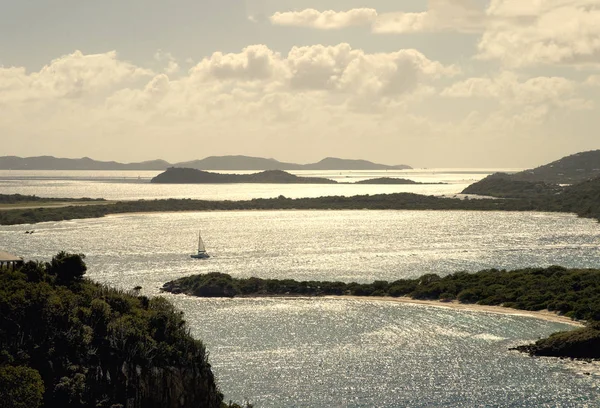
column 438, row 83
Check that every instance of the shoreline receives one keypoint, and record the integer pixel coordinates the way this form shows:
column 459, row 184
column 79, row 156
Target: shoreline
column 454, row 305
column 541, row 314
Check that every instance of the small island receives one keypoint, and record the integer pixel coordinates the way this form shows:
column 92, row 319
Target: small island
column 176, row 175
column 574, row 293
column 182, row 175
column 392, row 180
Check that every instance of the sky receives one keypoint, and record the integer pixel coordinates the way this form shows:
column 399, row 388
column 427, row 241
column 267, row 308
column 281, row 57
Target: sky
column 438, row 83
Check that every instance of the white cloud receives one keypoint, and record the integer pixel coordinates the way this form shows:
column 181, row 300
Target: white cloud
column 441, row 15
column 542, row 32
column 301, row 105
column 70, row 76
column 335, row 69
column 530, row 99
column 325, row 20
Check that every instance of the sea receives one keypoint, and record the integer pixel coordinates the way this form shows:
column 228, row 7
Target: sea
column 330, row 352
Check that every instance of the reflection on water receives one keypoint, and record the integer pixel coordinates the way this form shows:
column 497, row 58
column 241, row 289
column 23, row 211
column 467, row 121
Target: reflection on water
column 146, row 249
column 131, row 185
column 345, row 353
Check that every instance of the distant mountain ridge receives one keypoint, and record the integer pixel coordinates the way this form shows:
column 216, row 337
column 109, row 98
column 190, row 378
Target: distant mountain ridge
column 208, row 163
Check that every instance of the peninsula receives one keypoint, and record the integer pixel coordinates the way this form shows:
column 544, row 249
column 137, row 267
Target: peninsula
column 574, row 293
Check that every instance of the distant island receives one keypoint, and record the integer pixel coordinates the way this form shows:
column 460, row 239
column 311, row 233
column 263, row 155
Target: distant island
column 177, row 175
column 209, row 163
column 391, row 180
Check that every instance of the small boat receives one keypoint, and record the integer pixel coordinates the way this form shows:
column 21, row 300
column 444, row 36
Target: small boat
column 201, row 249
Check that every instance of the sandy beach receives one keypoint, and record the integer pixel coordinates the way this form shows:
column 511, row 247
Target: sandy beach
column 543, row 314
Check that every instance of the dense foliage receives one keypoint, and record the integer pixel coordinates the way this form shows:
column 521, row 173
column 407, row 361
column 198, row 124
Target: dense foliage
column 573, row 292
column 68, row 342
column 582, row 344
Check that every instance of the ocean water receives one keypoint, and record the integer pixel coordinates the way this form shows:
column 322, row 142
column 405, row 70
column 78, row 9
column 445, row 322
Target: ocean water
column 132, row 185
column 332, row 352
column 343, row 352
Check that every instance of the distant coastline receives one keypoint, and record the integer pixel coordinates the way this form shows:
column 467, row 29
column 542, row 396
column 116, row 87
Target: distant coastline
column 227, row 163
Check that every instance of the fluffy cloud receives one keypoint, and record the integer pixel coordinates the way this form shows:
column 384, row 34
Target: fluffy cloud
column 70, row 76
column 325, row 20
column 321, row 100
column 542, row 32
column 534, row 95
column 335, row 69
column 441, row 15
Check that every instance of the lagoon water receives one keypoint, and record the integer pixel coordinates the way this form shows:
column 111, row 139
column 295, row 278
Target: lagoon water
column 340, row 352
column 133, row 185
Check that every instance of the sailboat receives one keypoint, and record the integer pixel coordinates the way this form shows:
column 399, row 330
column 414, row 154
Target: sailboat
column 201, row 249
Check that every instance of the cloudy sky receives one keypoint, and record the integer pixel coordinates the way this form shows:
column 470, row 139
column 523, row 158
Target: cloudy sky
column 438, row 83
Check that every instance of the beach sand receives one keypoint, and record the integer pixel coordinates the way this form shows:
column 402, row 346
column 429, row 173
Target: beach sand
column 542, row 314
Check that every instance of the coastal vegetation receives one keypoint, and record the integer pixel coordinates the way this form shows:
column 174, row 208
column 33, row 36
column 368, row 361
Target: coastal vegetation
column 66, row 341
column 20, row 199
column 582, row 199
column 574, row 293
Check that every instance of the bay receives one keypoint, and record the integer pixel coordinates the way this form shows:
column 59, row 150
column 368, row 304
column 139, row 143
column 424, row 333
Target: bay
column 133, row 185
column 332, row 352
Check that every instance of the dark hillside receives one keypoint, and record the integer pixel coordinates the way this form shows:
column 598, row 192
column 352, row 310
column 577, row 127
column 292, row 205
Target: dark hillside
column 68, row 342
column 568, row 170
column 502, row 185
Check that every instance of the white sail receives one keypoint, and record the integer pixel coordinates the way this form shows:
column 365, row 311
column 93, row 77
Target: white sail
column 201, row 247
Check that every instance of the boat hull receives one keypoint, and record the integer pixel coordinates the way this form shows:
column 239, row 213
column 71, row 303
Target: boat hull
column 200, row 256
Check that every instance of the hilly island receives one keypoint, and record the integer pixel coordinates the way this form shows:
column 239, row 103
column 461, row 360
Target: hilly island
column 176, row 175
column 209, row 163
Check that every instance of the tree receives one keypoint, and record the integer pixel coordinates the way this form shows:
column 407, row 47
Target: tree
column 20, row 387
column 68, row 268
